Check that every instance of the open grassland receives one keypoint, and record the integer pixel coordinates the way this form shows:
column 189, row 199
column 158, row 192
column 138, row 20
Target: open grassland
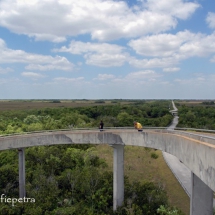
column 28, row 105
column 193, row 103
column 140, row 166
column 55, row 103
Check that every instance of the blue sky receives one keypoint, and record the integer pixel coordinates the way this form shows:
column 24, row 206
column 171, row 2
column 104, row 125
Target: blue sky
column 107, row 49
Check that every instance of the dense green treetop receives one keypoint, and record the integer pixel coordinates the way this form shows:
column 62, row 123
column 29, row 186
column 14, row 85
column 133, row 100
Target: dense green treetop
column 201, row 117
column 148, row 114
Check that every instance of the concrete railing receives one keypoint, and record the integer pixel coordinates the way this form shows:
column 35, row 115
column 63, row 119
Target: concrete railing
column 189, row 148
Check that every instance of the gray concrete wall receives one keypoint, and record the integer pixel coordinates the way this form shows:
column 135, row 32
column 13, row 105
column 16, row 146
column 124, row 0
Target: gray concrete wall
column 201, row 201
column 197, row 155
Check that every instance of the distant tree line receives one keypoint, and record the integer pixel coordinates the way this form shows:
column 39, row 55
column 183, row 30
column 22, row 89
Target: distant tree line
column 208, row 103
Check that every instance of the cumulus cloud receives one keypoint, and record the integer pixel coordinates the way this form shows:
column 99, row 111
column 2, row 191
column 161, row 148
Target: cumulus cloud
column 139, row 77
column 35, row 61
column 177, row 8
column 165, row 45
column 104, row 77
column 5, row 70
column 78, row 47
column 140, row 35
column 169, row 49
column 142, row 75
column 153, row 62
column 200, row 45
column 3, row 81
column 171, row 69
column 2, row 44
column 161, row 45
column 211, row 20
column 98, row 54
column 102, row 19
column 63, row 64
column 32, row 75
column 213, row 59
column 106, row 60
column 68, row 80
column 9, row 82
column 197, row 79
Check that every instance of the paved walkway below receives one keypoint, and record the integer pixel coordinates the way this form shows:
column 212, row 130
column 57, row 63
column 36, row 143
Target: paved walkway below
column 181, row 172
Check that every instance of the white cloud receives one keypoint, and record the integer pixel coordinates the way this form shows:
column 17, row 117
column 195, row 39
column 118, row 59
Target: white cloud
column 143, row 75
column 54, row 20
column 177, row 8
column 106, row 60
column 171, row 69
column 197, row 79
column 77, row 47
column 5, row 70
column 153, row 62
column 170, row 49
column 68, row 80
column 48, row 37
column 160, row 44
column 150, row 39
column 98, row 54
column 32, row 75
column 3, row 81
column 63, row 65
column 211, row 20
column 9, row 82
column 36, row 61
column 140, row 77
column 199, row 45
column 132, row 78
column 104, row 77
column 2, row 44
column 213, row 59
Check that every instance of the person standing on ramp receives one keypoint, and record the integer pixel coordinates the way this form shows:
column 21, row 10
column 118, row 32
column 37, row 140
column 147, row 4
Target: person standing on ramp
column 101, row 125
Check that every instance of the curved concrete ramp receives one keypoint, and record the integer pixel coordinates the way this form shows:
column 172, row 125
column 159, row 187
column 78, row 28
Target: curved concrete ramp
column 197, row 155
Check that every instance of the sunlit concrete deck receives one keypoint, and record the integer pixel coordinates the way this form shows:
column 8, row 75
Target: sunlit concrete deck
column 197, row 153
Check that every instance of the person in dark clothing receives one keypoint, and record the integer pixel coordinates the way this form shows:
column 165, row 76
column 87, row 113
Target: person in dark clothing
column 101, row 125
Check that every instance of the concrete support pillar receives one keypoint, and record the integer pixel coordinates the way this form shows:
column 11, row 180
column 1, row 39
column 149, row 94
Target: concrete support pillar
column 21, row 173
column 118, row 176
column 201, row 200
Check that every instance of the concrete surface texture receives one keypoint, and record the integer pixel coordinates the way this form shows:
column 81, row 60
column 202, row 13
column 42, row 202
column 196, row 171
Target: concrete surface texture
column 185, row 176
column 181, row 172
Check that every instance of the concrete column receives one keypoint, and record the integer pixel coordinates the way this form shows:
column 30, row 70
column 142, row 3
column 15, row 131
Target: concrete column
column 118, row 176
column 201, row 200
column 21, row 173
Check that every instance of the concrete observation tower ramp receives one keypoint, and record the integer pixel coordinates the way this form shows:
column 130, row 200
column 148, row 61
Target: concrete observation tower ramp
column 197, row 153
